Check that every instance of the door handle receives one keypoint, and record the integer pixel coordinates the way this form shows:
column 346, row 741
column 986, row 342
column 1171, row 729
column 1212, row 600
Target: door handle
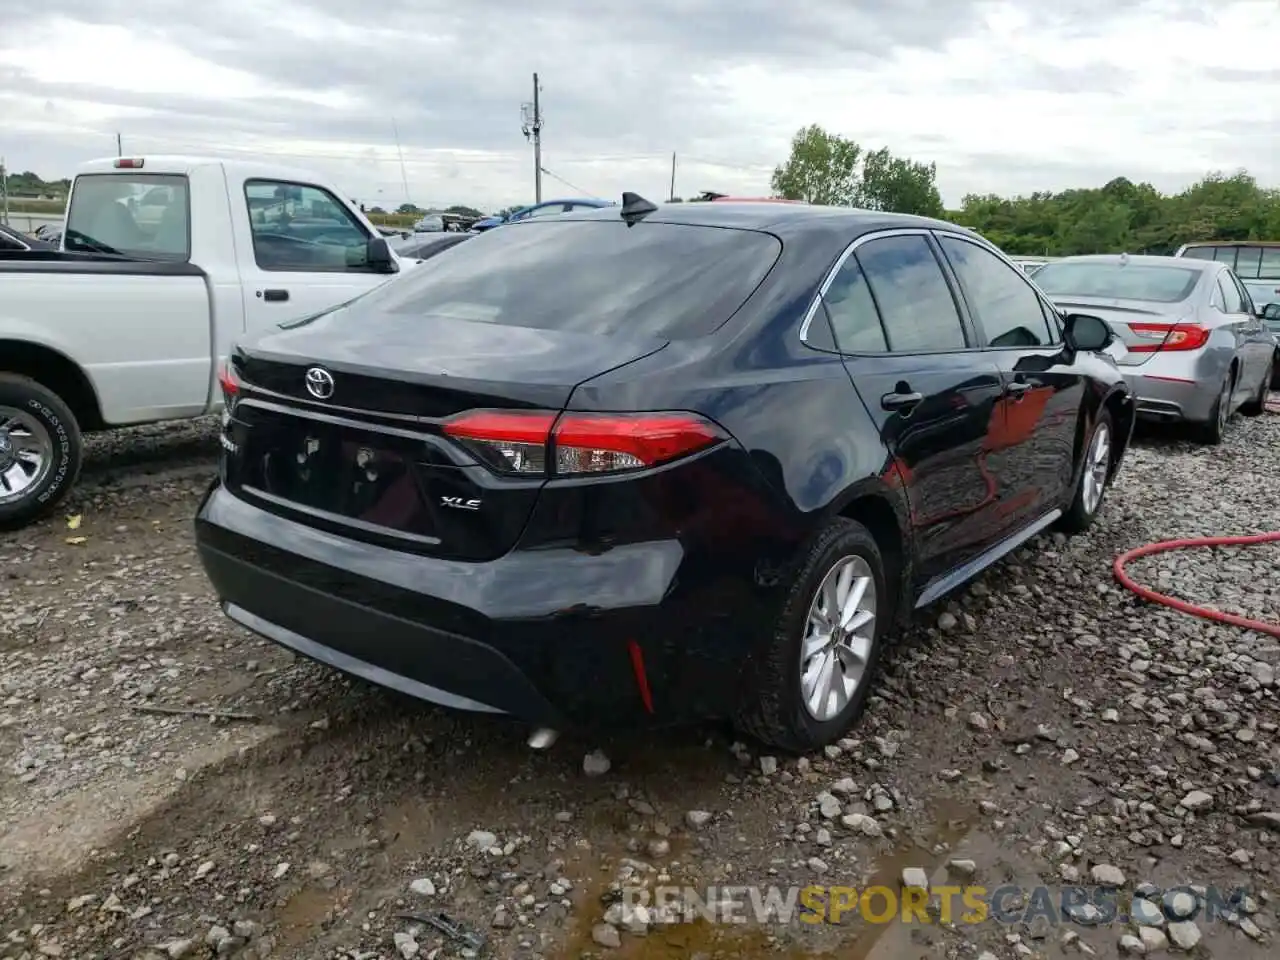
column 1016, row 388
column 900, row 400
column 274, row 296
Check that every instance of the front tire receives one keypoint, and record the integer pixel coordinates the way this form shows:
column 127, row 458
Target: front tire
column 40, row 451
column 810, row 681
column 1095, row 476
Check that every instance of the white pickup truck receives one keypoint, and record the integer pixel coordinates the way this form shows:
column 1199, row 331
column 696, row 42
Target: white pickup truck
column 164, row 263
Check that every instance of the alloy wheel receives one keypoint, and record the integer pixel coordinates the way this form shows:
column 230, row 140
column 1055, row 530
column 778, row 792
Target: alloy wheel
column 1096, row 464
column 839, row 633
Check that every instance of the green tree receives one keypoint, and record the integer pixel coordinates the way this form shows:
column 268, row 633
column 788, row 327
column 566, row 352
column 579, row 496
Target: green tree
column 463, row 211
column 899, row 185
column 822, row 168
column 408, row 208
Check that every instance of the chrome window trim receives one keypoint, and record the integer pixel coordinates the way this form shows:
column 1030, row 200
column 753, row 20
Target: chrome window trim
column 840, row 261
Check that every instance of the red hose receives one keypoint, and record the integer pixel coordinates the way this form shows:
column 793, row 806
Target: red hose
column 1272, row 405
column 1271, row 629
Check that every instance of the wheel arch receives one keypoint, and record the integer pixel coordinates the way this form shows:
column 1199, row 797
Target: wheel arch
column 57, row 372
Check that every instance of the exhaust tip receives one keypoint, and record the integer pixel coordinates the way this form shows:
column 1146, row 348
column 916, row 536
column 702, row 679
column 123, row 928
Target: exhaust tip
column 543, row 738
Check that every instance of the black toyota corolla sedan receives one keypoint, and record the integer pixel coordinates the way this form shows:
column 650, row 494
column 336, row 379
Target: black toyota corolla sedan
column 650, row 464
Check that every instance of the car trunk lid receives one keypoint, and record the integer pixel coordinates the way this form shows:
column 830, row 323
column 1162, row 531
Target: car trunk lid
column 359, row 444
column 1143, row 328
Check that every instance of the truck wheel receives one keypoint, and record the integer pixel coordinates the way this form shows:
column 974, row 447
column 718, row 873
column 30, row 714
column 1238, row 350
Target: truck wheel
column 40, row 451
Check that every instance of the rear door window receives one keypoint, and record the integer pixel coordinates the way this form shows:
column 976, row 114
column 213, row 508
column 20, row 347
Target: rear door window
column 142, row 215
column 915, row 300
column 591, row 276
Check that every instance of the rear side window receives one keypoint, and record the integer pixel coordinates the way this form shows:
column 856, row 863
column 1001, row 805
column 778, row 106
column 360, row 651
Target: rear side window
column 1231, row 302
column 906, row 280
column 1269, row 264
column 854, row 319
column 146, row 216
column 590, row 276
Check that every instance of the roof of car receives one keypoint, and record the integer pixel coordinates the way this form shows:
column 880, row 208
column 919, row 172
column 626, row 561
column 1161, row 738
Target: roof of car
column 1145, row 260
column 771, row 217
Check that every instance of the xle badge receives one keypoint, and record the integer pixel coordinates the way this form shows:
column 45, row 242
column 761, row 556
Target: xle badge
column 458, row 503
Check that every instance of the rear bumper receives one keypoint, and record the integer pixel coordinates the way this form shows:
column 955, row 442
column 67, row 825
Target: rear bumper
column 1174, row 389
column 548, row 636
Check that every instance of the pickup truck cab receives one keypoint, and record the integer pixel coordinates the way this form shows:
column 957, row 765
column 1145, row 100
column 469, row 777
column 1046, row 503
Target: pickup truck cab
column 164, row 262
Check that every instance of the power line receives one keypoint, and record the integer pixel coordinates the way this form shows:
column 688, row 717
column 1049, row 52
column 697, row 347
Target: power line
column 571, row 186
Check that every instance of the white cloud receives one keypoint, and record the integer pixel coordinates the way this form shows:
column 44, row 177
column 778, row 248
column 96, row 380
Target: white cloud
column 1004, row 97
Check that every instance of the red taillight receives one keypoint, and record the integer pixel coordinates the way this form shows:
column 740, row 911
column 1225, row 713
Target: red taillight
column 537, row 443
column 1168, row 336
column 229, row 383
column 129, row 163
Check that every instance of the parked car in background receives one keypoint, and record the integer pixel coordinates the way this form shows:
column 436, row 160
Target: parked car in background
column 425, row 246
column 130, row 321
column 701, row 471
column 431, row 223
column 1256, row 263
column 549, row 208
column 1197, row 349
column 12, row 239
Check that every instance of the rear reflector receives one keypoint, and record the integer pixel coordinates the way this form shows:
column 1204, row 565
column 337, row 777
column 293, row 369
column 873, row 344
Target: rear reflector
column 1168, row 336
column 129, row 163
column 538, row 444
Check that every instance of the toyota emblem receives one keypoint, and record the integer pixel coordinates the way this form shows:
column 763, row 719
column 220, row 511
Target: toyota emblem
column 319, row 383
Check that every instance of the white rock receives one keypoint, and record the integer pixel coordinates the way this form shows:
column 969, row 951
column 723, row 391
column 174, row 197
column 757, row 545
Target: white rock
column 1184, row 934
column 595, row 764
column 481, row 839
column 697, row 819
column 1196, row 800
column 1105, row 875
column 406, row 945
column 1132, row 945
column 915, row 878
column 1153, row 939
column 606, row 936
column 867, row 826
column 828, row 805
column 423, row 887
column 768, row 766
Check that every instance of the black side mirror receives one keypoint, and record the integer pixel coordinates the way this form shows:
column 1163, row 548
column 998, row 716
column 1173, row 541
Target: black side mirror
column 379, row 258
column 1270, row 312
column 1086, row 332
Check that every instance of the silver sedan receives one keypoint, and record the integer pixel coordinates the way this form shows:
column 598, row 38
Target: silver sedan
column 1190, row 342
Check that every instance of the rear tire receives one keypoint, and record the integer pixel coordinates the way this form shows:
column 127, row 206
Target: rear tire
column 1212, row 431
column 1095, row 476
column 1258, row 404
column 40, row 451
column 775, row 707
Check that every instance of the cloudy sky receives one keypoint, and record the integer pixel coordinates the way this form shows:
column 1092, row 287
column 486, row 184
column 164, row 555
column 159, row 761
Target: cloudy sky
column 1005, row 97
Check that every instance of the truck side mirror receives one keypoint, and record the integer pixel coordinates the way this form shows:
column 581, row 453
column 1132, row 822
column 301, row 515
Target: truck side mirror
column 380, row 258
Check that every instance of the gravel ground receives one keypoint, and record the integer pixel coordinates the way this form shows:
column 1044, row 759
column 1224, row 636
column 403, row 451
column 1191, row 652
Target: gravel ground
column 1043, row 727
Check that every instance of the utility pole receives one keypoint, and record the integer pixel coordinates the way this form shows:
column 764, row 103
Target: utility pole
column 531, row 126
column 4, row 192
column 672, row 194
column 404, row 177
column 119, row 146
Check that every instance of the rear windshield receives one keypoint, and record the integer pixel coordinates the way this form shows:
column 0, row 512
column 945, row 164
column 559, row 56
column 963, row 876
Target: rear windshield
column 590, row 276
column 1116, row 281
column 1250, row 262
column 139, row 215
